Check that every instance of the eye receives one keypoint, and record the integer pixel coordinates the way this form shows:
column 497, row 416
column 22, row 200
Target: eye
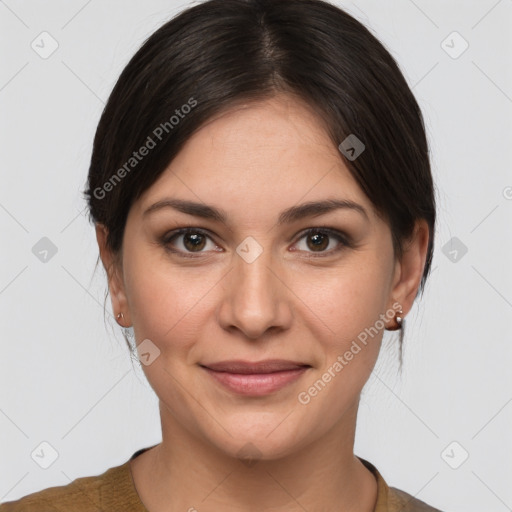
column 319, row 239
column 188, row 240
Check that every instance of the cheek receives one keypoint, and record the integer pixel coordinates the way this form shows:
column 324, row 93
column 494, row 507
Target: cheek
column 165, row 302
column 342, row 303
column 168, row 308
column 349, row 332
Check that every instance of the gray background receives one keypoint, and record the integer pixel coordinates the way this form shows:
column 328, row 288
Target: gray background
column 66, row 378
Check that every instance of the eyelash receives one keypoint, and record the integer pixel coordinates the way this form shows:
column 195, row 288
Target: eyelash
column 340, row 237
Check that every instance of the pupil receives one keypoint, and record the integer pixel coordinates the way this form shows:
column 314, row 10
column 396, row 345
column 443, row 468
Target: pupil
column 319, row 241
column 195, row 240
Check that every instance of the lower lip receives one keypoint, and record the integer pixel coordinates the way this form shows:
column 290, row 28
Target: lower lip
column 257, row 384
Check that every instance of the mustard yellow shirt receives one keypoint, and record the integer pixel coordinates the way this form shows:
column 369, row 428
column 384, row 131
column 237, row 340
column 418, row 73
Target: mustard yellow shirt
column 114, row 490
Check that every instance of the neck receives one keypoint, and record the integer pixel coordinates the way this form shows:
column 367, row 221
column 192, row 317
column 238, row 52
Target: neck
column 186, row 473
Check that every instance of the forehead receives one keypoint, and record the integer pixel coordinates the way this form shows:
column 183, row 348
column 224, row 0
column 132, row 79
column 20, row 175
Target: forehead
column 276, row 151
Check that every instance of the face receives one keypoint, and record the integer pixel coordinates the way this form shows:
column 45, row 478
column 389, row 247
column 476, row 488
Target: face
column 270, row 280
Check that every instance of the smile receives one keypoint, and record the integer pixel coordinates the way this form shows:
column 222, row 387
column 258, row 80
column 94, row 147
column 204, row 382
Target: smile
column 255, row 379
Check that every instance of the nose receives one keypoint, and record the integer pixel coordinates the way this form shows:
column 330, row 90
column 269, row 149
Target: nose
column 256, row 299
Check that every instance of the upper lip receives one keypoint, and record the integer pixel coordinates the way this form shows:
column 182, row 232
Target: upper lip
column 247, row 367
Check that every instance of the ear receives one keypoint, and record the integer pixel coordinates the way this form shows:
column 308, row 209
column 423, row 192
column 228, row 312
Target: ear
column 409, row 270
column 114, row 275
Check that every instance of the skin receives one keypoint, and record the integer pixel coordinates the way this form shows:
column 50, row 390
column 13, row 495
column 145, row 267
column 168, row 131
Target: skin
column 253, row 162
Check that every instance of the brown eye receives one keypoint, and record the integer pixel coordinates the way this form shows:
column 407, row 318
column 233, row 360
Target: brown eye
column 194, row 241
column 187, row 241
column 318, row 240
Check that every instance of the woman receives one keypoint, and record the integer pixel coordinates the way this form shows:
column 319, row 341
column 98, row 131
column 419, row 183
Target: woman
column 264, row 208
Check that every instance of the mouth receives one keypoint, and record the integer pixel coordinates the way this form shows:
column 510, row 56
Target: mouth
column 255, row 378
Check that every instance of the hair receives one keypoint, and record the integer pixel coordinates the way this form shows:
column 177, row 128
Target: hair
column 218, row 54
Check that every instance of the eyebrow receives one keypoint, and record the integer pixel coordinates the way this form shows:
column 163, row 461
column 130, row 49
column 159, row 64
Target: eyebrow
column 292, row 214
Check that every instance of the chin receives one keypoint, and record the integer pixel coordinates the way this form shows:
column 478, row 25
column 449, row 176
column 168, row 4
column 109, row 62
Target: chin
column 258, row 439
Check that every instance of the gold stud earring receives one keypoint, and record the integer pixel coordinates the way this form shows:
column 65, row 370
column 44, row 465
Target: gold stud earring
column 398, row 321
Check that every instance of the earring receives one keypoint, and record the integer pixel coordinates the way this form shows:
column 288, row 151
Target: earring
column 398, row 319
column 118, row 317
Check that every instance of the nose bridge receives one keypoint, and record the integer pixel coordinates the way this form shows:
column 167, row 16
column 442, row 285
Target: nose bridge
column 254, row 299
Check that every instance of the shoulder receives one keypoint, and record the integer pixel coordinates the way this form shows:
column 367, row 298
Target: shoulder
column 113, row 489
column 390, row 499
column 400, row 500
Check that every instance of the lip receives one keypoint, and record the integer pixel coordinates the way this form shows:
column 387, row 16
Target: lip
column 256, row 378
column 249, row 367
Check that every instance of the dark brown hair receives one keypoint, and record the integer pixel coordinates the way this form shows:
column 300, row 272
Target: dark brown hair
column 219, row 53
